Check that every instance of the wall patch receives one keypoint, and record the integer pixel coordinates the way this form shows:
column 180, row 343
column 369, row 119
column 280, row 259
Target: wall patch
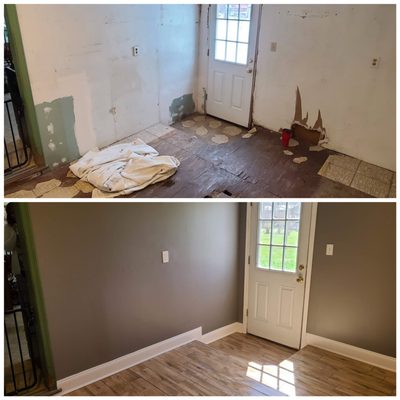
column 56, row 121
column 182, row 107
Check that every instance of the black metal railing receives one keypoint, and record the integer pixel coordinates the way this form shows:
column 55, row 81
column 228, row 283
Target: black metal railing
column 20, row 366
column 15, row 144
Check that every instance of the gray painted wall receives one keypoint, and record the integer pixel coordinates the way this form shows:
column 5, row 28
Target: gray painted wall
column 353, row 292
column 106, row 291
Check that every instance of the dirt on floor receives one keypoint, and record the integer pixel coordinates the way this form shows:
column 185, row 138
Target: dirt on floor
column 218, row 157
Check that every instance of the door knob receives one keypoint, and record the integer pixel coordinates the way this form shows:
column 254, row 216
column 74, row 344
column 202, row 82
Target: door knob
column 301, row 267
column 299, row 279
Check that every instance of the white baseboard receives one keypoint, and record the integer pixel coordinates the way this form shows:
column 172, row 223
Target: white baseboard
column 356, row 353
column 94, row 374
column 222, row 332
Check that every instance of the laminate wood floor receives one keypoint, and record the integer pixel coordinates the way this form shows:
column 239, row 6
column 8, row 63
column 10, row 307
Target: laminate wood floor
column 245, row 365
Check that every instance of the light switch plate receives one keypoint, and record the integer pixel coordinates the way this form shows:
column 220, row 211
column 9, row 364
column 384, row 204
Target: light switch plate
column 329, row 249
column 165, row 256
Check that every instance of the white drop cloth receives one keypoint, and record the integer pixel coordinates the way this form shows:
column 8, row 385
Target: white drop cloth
column 124, row 168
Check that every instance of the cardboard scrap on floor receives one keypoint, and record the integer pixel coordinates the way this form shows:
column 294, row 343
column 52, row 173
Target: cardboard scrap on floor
column 21, row 194
column 299, row 160
column 83, row 186
column 44, row 187
column 62, row 192
column 316, row 148
column 124, row 168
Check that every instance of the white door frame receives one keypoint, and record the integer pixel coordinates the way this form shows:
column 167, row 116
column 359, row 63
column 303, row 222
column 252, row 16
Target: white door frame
column 307, row 277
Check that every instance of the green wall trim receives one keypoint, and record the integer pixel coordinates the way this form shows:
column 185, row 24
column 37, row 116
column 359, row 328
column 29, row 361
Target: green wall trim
column 21, row 69
column 28, row 254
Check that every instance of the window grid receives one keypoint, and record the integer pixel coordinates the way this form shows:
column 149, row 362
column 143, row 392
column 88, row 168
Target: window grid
column 270, row 243
column 237, row 42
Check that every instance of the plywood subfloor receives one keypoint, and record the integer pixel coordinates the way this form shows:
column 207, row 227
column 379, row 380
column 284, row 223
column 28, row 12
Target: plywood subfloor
column 217, row 157
column 244, row 365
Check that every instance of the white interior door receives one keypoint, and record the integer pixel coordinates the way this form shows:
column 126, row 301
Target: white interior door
column 279, row 248
column 233, row 34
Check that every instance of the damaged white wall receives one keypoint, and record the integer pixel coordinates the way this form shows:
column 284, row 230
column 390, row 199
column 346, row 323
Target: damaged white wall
column 327, row 51
column 85, row 51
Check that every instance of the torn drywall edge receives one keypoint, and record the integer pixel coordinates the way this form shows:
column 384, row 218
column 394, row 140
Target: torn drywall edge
column 300, row 121
column 56, row 120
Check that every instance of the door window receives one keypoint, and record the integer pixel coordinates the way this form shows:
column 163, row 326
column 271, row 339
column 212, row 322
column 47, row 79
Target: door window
column 232, row 32
column 278, row 235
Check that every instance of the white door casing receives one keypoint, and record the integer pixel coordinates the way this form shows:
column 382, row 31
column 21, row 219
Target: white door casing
column 230, row 71
column 276, row 298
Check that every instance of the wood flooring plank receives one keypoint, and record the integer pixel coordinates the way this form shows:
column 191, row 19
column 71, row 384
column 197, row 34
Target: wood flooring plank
column 245, row 365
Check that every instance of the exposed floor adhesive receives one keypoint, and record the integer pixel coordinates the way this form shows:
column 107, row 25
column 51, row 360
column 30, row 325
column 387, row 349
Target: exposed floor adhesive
column 365, row 177
column 66, row 192
column 247, row 136
column 44, row 187
column 160, row 130
column 199, row 118
column 220, row 139
column 252, row 130
column 288, row 152
column 293, row 143
column 299, row 160
column 83, row 186
column 214, row 124
column 188, row 123
column 201, row 131
column 146, row 136
column 21, row 194
column 232, row 130
column 316, row 148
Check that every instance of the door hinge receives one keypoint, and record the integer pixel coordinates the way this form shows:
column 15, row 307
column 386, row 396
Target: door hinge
column 248, row 260
column 208, row 52
column 247, row 312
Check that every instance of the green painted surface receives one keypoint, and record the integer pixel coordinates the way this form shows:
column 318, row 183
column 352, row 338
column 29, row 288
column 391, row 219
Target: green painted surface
column 21, row 69
column 28, row 256
column 182, row 107
column 57, row 130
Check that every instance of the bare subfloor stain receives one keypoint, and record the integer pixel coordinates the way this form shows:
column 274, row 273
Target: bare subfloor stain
column 303, row 132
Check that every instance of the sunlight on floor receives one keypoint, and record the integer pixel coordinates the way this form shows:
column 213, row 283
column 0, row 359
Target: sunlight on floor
column 279, row 377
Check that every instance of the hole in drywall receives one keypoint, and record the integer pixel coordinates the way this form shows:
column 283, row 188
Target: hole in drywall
column 312, row 135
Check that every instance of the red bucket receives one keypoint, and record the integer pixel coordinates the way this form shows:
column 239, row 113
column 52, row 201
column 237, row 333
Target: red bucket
column 286, row 135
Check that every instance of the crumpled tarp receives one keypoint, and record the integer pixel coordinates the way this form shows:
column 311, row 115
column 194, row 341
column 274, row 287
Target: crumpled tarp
column 124, row 168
